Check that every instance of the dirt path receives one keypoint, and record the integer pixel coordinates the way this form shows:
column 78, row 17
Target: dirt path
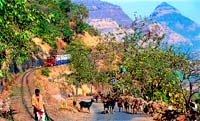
column 22, row 103
column 96, row 115
column 116, row 116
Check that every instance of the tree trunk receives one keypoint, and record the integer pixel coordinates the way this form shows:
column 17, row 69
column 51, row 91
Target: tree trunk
column 152, row 89
column 91, row 89
column 102, row 87
column 1, row 85
column 76, row 89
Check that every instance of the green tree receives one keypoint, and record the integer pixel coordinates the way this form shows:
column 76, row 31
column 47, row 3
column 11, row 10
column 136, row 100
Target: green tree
column 15, row 21
column 16, row 18
column 189, row 76
column 152, row 65
column 84, row 68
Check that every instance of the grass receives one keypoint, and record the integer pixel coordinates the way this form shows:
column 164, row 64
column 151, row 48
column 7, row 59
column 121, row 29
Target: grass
column 16, row 90
column 37, row 72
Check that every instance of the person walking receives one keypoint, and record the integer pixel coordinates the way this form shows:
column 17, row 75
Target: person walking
column 38, row 106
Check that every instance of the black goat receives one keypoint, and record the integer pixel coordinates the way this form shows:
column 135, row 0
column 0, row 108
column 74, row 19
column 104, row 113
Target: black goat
column 109, row 105
column 87, row 105
column 106, row 105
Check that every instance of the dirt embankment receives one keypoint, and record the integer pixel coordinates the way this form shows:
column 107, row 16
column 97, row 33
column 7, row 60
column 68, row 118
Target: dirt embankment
column 55, row 90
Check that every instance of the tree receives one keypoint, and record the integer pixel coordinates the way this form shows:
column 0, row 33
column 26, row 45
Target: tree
column 84, row 68
column 78, row 14
column 16, row 18
column 56, row 24
column 189, row 75
column 152, row 63
column 15, row 22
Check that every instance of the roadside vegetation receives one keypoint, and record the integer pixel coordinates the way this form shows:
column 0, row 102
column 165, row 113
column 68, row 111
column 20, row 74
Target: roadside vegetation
column 153, row 69
column 22, row 20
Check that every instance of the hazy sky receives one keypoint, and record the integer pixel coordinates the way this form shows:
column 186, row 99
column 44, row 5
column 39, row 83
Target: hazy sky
column 189, row 8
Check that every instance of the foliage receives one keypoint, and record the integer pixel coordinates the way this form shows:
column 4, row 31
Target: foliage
column 152, row 68
column 135, row 91
column 45, row 71
column 1, row 73
column 121, row 86
column 64, row 18
column 84, row 68
column 189, row 75
column 102, row 77
column 153, row 64
column 48, row 19
column 55, row 25
column 15, row 90
column 100, row 47
column 15, row 20
column 91, row 30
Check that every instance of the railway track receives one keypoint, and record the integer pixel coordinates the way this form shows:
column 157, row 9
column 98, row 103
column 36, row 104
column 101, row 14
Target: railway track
column 26, row 93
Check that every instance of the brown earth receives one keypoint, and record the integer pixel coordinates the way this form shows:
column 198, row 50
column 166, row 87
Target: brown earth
column 57, row 104
column 89, row 40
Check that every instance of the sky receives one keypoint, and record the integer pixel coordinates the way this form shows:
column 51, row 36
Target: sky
column 188, row 8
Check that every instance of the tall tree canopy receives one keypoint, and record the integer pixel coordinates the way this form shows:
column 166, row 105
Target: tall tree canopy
column 15, row 22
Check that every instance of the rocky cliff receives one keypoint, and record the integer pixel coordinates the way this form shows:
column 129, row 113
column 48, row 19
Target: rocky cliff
column 103, row 10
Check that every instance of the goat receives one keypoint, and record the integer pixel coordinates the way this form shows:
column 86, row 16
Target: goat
column 105, row 105
column 87, row 105
column 126, row 106
column 119, row 104
column 112, row 104
column 109, row 105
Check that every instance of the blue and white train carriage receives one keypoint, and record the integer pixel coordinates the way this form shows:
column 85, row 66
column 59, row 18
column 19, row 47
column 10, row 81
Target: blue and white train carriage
column 58, row 60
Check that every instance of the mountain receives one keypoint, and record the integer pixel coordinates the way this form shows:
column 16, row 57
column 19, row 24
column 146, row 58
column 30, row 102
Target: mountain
column 103, row 10
column 172, row 18
column 180, row 30
column 107, row 26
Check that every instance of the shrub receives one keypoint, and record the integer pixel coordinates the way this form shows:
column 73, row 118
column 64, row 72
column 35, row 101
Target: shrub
column 91, row 30
column 100, row 47
column 45, row 71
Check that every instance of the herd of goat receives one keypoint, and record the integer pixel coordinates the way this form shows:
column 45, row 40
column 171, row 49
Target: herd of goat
column 124, row 103
column 129, row 104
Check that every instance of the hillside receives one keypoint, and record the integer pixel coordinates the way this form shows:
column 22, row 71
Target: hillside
column 103, row 10
column 171, row 37
column 107, row 26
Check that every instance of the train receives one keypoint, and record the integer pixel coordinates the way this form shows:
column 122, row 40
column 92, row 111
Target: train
column 57, row 60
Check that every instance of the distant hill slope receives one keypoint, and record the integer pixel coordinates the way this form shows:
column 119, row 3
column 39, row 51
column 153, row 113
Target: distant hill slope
column 107, row 26
column 102, row 10
column 170, row 17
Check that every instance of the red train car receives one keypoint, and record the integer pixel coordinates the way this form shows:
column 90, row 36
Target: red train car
column 50, row 61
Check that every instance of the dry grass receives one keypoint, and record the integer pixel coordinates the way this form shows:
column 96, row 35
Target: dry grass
column 89, row 40
column 43, row 46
